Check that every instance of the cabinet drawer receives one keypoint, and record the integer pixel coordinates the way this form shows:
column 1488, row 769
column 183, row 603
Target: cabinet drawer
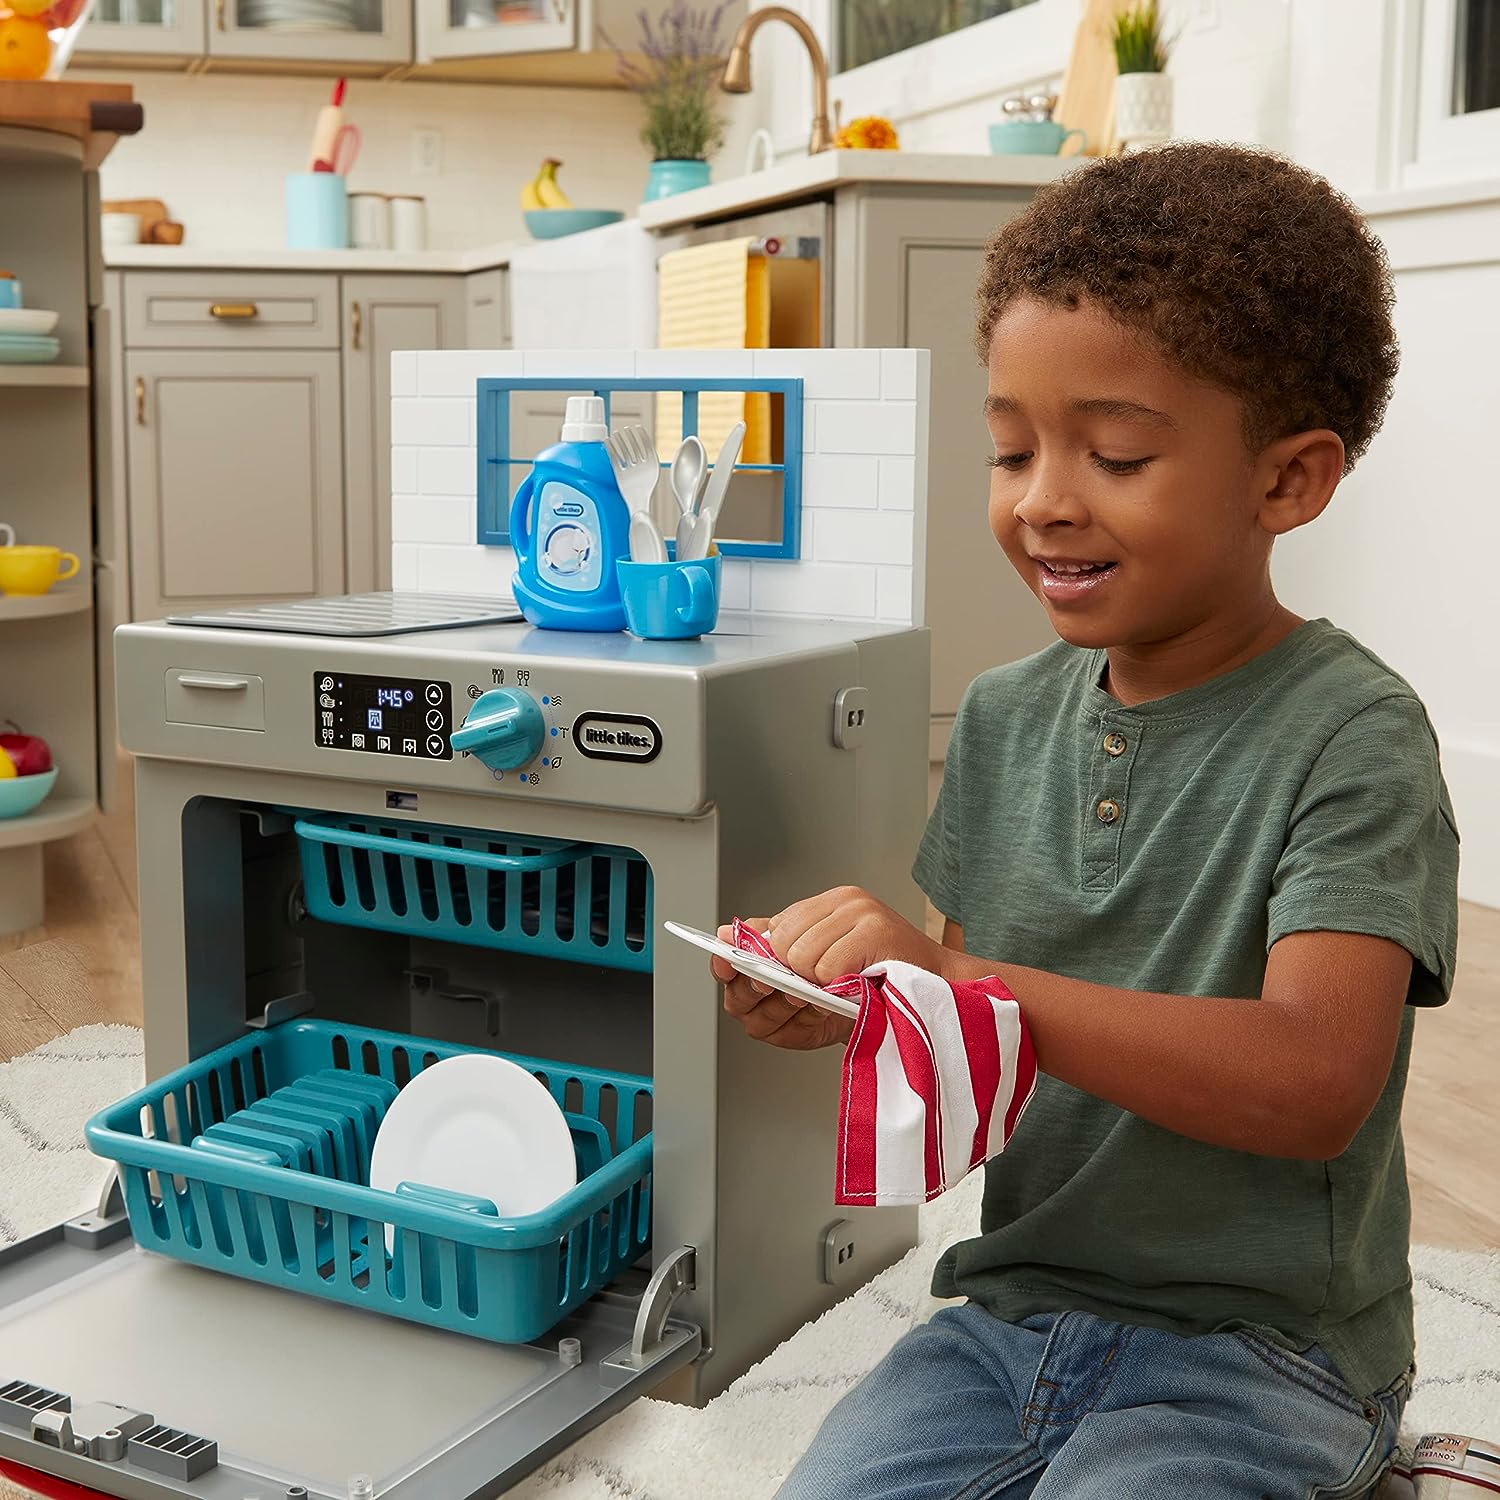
column 218, row 700
column 230, row 309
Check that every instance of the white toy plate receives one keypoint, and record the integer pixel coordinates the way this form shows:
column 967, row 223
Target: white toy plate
column 755, row 967
column 27, row 320
column 479, row 1125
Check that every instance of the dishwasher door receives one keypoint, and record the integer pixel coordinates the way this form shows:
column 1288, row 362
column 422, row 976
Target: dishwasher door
column 145, row 1378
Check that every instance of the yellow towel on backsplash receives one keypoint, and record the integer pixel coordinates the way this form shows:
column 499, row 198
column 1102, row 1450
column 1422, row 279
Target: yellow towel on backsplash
column 715, row 297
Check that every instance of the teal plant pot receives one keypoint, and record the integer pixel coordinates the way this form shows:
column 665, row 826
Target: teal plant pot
column 668, row 177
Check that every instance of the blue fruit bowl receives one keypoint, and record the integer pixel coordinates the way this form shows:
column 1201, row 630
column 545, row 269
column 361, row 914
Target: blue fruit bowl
column 20, row 795
column 555, row 223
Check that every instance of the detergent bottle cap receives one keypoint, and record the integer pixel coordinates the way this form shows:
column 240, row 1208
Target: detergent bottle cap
column 584, row 420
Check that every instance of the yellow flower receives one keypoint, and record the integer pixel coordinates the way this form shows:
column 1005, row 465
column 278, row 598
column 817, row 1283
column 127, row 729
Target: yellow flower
column 868, row 133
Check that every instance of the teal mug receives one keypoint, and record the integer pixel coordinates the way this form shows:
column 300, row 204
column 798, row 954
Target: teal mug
column 670, row 601
column 10, row 290
column 1031, row 138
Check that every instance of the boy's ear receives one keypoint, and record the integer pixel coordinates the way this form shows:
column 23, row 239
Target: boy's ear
column 1300, row 474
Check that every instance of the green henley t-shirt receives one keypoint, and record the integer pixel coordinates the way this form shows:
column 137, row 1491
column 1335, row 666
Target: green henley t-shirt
column 1164, row 847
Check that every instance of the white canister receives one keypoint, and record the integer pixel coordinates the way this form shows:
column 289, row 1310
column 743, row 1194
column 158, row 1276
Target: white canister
column 408, row 223
column 369, row 221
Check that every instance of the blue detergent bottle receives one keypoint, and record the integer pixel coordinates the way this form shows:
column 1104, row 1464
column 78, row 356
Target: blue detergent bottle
column 569, row 525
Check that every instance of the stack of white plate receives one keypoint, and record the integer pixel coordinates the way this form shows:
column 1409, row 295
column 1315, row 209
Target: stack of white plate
column 25, row 336
column 298, row 15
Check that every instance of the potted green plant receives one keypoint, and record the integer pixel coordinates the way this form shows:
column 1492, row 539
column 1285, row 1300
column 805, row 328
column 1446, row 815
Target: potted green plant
column 676, row 72
column 1143, row 89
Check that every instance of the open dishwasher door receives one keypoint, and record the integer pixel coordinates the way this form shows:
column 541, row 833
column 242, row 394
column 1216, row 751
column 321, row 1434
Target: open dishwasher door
column 142, row 1377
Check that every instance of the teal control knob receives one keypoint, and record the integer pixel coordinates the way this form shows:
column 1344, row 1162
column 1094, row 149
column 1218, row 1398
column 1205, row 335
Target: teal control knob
column 504, row 729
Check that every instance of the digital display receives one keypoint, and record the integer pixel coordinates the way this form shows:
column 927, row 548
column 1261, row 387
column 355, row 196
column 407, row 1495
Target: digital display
column 382, row 715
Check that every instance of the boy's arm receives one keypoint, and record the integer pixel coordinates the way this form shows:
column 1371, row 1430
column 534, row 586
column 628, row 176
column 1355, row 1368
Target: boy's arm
column 1294, row 1073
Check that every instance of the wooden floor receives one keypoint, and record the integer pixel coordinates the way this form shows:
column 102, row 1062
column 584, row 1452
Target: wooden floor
column 84, row 966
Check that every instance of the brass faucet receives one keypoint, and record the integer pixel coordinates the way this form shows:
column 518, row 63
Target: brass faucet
column 736, row 79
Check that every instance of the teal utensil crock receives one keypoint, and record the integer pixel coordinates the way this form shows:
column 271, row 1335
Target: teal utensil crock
column 317, row 211
column 670, row 601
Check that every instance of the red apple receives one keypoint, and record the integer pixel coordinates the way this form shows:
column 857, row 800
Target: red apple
column 62, row 13
column 28, row 751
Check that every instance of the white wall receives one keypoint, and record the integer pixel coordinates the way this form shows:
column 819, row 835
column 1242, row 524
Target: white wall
column 216, row 149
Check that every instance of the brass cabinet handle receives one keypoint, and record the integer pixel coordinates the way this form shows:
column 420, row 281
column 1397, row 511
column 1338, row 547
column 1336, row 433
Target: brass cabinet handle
column 356, row 324
column 219, row 11
column 140, row 400
column 233, row 310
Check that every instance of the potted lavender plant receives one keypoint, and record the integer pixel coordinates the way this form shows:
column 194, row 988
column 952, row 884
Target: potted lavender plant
column 676, row 74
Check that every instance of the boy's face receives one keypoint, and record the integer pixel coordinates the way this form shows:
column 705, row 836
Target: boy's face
column 1123, row 491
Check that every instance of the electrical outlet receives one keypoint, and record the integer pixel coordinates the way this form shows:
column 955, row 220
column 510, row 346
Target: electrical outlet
column 838, row 1253
column 427, row 152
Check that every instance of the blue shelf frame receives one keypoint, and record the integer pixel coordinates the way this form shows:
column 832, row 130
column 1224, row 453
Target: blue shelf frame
column 495, row 460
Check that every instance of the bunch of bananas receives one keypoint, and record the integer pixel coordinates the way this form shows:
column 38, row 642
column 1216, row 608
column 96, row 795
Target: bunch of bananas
column 542, row 191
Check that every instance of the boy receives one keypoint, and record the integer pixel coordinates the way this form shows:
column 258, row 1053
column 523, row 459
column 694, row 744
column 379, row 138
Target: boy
column 1207, row 845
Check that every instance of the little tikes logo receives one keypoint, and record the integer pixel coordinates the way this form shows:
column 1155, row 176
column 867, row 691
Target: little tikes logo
column 617, row 737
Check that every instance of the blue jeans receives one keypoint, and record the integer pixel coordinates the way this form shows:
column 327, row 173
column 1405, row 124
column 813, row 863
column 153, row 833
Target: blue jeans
column 1069, row 1407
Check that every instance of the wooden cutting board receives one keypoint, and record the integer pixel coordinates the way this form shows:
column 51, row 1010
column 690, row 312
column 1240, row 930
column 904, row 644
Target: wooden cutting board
column 1086, row 101
column 151, row 210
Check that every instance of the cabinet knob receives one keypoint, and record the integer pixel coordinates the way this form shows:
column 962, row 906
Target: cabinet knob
column 233, row 310
column 140, row 400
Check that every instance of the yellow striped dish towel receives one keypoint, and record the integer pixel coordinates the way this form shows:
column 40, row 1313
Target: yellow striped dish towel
column 715, row 297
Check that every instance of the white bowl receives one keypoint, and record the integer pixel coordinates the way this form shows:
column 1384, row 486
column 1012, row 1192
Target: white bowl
column 34, row 322
column 120, row 229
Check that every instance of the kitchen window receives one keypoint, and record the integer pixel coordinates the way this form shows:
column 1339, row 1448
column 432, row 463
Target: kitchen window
column 1451, row 51
column 871, row 29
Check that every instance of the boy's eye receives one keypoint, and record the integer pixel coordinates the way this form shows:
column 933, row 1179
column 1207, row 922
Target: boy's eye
column 1010, row 461
column 1120, row 465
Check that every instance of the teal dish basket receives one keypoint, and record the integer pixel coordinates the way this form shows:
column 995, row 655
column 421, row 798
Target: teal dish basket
column 255, row 1160
column 586, row 902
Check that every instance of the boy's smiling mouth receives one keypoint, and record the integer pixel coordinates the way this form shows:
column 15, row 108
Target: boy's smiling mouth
column 1065, row 578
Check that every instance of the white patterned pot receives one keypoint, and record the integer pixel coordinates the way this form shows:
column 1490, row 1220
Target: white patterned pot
column 1143, row 109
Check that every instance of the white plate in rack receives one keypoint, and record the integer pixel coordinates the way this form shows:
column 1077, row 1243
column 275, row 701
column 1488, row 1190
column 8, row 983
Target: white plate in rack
column 34, row 321
column 481, row 1125
column 755, row 967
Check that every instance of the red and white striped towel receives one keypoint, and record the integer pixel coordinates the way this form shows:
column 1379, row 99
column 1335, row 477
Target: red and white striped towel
column 935, row 1077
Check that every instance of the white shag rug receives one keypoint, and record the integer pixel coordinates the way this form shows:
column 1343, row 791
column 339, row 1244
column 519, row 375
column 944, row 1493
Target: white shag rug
column 741, row 1445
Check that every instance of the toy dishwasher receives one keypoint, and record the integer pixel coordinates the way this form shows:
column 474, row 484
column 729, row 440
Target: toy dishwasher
column 361, row 855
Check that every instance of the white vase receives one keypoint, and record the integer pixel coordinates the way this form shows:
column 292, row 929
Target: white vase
column 1143, row 109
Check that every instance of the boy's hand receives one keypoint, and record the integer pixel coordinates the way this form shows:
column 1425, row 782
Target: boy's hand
column 838, row 932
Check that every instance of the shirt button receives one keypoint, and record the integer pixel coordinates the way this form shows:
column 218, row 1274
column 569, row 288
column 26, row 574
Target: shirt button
column 1114, row 744
column 1107, row 811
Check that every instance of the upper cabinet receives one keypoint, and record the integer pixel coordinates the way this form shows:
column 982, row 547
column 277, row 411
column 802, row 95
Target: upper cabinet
column 342, row 31
column 520, row 41
column 130, row 28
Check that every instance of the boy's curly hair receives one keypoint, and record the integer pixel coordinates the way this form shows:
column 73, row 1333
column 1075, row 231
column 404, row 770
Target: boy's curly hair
column 1245, row 269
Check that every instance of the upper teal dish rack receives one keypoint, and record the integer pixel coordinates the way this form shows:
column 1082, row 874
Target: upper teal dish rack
column 587, row 902
column 496, row 460
column 254, row 1160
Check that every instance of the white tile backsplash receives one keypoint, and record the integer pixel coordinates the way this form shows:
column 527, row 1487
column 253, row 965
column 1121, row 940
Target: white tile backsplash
column 404, row 572
column 403, row 374
column 863, row 496
column 866, row 426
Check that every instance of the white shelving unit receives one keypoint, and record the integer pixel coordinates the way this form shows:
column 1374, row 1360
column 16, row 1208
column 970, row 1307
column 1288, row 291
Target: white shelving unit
column 47, row 645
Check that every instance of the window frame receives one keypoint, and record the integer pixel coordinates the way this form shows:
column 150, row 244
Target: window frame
column 1434, row 145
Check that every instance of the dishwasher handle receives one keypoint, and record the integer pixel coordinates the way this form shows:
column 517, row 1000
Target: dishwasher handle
column 210, row 682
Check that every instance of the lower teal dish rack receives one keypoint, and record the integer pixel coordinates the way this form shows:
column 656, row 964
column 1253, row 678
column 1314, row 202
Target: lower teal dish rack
column 255, row 1160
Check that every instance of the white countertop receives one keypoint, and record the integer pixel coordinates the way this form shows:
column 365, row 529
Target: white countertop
column 202, row 258
column 813, row 176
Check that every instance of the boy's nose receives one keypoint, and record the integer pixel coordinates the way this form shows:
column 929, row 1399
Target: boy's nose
column 1046, row 504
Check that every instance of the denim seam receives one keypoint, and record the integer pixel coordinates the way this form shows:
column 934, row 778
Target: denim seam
column 1006, row 1469
column 1301, row 1375
column 1359, row 1485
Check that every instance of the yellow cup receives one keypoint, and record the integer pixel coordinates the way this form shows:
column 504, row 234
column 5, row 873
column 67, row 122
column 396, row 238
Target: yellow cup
column 33, row 570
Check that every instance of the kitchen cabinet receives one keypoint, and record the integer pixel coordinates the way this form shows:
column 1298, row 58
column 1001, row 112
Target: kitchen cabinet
column 129, row 29
column 383, row 314
column 351, row 31
column 235, row 475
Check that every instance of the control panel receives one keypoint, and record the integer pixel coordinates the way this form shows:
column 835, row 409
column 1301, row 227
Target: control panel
column 382, row 715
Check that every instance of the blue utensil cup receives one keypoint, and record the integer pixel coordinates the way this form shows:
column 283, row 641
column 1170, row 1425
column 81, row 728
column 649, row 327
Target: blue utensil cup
column 1031, row 138
column 10, row 292
column 670, row 601
column 317, row 211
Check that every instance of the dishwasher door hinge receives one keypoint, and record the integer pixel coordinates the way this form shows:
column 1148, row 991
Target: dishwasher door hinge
column 653, row 1336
